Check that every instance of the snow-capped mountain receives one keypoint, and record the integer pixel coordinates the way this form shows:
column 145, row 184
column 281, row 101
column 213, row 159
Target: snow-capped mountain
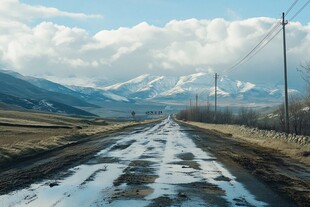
column 180, row 89
column 167, row 89
column 143, row 87
column 96, row 94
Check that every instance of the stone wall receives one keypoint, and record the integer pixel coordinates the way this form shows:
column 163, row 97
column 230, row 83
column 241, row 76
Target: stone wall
column 271, row 134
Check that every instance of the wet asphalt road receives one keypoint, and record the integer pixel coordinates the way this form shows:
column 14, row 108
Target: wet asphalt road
column 157, row 165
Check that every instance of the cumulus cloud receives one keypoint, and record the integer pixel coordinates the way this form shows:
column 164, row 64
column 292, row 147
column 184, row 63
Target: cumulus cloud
column 178, row 48
column 15, row 10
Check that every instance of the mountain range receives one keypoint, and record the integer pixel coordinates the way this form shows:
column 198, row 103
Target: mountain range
column 181, row 89
column 41, row 94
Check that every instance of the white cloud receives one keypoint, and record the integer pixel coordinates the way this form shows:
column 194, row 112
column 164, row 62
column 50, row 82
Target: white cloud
column 15, row 10
column 178, row 48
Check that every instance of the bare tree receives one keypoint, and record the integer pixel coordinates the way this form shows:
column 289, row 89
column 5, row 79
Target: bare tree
column 227, row 116
column 281, row 117
column 305, row 112
column 305, row 74
column 247, row 116
column 296, row 110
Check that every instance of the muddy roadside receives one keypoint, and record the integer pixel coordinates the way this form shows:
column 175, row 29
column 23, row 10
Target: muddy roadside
column 23, row 171
column 286, row 176
column 28, row 134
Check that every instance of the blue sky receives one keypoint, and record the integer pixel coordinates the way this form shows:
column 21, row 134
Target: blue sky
column 127, row 13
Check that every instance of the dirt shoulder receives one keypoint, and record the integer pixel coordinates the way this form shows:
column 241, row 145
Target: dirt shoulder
column 276, row 165
column 298, row 152
column 27, row 134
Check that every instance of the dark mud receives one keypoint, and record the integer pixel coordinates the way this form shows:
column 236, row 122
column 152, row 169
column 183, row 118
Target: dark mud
column 285, row 176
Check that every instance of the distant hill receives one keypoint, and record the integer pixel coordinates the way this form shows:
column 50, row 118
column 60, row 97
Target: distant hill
column 23, row 89
column 83, row 93
column 4, row 106
column 16, row 93
column 12, row 103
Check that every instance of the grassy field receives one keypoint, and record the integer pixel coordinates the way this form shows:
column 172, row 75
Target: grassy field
column 27, row 133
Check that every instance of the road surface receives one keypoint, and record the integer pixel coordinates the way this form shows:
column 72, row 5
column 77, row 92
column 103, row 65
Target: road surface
column 156, row 165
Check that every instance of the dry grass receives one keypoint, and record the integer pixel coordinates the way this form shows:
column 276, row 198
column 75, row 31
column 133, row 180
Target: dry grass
column 32, row 117
column 25, row 133
column 292, row 150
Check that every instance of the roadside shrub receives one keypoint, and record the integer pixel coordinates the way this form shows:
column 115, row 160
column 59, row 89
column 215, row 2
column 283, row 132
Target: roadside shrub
column 245, row 116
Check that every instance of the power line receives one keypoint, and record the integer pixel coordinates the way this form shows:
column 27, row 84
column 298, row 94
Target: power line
column 210, row 83
column 267, row 38
column 280, row 28
column 262, row 47
column 207, row 91
column 291, row 7
column 300, row 10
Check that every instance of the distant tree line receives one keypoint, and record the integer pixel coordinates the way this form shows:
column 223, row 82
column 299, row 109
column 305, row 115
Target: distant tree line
column 299, row 114
column 245, row 116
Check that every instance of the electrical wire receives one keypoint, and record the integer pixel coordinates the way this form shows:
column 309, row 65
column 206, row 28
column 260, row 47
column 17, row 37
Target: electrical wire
column 266, row 40
column 265, row 44
column 274, row 31
column 300, row 10
column 290, row 8
column 262, row 47
column 211, row 82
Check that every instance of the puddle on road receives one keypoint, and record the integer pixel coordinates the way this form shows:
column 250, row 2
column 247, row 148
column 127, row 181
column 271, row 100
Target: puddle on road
column 186, row 156
column 157, row 166
column 75, row 190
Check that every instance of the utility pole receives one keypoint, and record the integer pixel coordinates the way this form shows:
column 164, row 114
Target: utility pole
column 190, row 110
column 215, row 96
column 196, row 102
column 286, row 118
